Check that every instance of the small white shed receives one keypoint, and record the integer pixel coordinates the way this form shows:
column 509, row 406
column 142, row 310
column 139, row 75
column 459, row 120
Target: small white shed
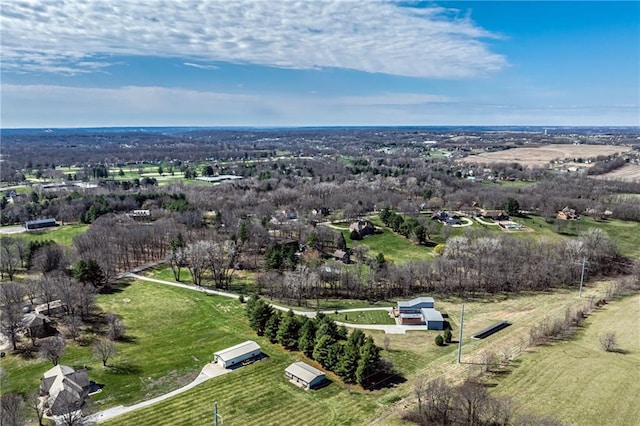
column 305, row 375
column 236, row 354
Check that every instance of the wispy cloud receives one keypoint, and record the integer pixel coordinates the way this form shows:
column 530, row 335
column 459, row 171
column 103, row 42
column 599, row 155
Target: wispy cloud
column 376, row 37
column 201, row 66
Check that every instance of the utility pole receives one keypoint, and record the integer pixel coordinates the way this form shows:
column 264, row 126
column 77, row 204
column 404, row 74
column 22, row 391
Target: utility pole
column 584, row 263
column 460, row 335
column 215, row 414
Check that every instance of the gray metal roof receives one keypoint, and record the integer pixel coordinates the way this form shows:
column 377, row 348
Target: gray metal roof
column 304, row 371
column 416, row 301
column 237, row 350
column 431, row 314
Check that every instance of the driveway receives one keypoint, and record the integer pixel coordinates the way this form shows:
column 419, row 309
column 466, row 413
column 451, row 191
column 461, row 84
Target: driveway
column 209, row 371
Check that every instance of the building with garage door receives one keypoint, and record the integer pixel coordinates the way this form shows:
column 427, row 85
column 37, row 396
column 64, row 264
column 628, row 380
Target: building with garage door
column 235, row 355
column 302, row 374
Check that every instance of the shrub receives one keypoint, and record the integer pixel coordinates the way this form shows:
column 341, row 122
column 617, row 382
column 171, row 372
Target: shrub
column 241, row 299
column 439, row 340
column 609, row 342
column 447, row 336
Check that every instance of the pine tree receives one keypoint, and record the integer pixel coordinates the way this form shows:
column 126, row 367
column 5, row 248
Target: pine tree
column 260, row 315
column 348, row 363
column 321, row 349
column 368, row 363
column 272, row 326
column 288, row 331
column 307, row 339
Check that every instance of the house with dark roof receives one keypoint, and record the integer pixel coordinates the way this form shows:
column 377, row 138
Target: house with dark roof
column 39, row 224
column 65, row 390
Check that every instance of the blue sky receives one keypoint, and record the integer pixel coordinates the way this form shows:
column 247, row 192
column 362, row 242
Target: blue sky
column 314, row 63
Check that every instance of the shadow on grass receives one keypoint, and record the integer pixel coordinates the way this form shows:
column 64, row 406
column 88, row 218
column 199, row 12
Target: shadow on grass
column 384, row 381
column 116, row 288
column 124, row 368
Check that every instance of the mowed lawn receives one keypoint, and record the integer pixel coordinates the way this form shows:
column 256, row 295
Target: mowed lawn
column 394, row 247
column 62, row 235
column 364, row 317
column 579, row 383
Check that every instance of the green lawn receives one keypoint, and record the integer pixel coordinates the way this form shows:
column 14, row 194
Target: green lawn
column 579, row 383
column 62, row 235
column 364, row 317
column 395, row 247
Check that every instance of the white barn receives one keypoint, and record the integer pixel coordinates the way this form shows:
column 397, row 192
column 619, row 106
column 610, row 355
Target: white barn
column 305, row 375
column 236, row 354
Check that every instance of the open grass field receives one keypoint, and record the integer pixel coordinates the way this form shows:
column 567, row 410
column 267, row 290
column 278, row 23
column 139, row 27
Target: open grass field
column 364, row 317
column 576, row 381
column 541, row 156
column 62, row 235
column 395, row 247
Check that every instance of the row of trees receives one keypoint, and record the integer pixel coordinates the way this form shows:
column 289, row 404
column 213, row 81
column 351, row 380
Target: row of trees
column 469, row 403
column 355, row 358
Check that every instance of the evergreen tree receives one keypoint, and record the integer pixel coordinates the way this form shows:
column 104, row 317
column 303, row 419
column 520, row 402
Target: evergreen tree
column 357, row 339
column 321, row 350
column 288, row 331
column 89, row 272
column 272, row 326
column 260, row 315
column 307, row 339
column 341, row 243
column 348, row 363
column 368, row 363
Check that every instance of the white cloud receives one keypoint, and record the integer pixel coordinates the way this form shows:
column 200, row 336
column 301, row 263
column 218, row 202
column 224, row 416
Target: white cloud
column 201, row 66
column 372, row 36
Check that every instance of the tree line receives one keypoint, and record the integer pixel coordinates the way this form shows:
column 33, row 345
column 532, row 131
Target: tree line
column 354, row 357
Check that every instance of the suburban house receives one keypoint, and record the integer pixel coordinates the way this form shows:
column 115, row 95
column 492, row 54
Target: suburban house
column 237, row 354
column 39, row 224
column 51, row 308
column 567, row 214
column 302, row 374
column 37, row 325
column 446, row 217
column 494, row 214
column 419, row 311
column 342, row 256
column 362, row 227
column 65, row 389
column 140, row 214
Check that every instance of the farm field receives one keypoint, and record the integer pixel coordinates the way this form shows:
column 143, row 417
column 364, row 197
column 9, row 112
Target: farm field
column 542, row 156
column 628, row 173
column 576, row 381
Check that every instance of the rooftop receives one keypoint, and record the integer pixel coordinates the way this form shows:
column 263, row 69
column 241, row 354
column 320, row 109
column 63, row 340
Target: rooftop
column 304, row 371
column 237, row 350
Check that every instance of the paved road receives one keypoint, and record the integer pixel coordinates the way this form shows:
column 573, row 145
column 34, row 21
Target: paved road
column 209, row 371
column 12, row 229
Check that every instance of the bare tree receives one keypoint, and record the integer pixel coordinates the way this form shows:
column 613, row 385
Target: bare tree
column 11, row 296
column 116, row 326
column 104, row 349
column 197, row 255
column 53, row 348
column 11, row 405
column 419, row 389
column 35, row 404
column 9, row 257
column 609, row 342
